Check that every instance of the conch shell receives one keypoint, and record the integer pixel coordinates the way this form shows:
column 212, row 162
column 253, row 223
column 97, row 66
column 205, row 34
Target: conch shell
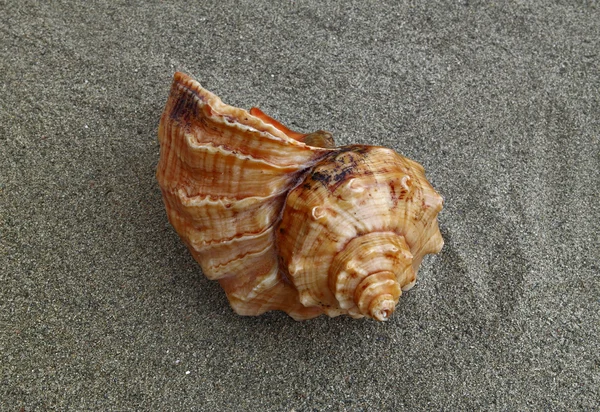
column 286, row 221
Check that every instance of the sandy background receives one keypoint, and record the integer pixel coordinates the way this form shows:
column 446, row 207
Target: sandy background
column 103, row 308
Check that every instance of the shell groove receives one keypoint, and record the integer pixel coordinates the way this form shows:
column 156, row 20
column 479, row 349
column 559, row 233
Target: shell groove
column 285, row 225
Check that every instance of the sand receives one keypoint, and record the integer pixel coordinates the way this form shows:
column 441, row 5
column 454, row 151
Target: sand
column 103, row 308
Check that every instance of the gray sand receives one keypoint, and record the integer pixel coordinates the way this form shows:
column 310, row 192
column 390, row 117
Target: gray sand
column 103, row 308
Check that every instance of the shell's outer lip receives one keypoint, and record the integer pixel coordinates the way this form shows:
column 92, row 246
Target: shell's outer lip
column 212, row 127
column 225, row 113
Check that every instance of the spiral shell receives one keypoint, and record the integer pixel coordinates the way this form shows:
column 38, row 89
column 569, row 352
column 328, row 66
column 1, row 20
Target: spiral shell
column 285, row 221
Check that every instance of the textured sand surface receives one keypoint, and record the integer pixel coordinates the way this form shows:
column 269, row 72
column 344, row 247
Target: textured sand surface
column 103, row 308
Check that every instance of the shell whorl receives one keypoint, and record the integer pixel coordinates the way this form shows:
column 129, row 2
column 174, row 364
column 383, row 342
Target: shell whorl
column 360, row 219
column 285, row 221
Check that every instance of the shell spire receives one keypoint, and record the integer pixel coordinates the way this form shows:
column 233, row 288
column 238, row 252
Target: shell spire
column 285, row 220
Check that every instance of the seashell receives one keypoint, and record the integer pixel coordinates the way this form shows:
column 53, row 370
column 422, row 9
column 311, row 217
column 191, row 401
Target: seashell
column 287, row 221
